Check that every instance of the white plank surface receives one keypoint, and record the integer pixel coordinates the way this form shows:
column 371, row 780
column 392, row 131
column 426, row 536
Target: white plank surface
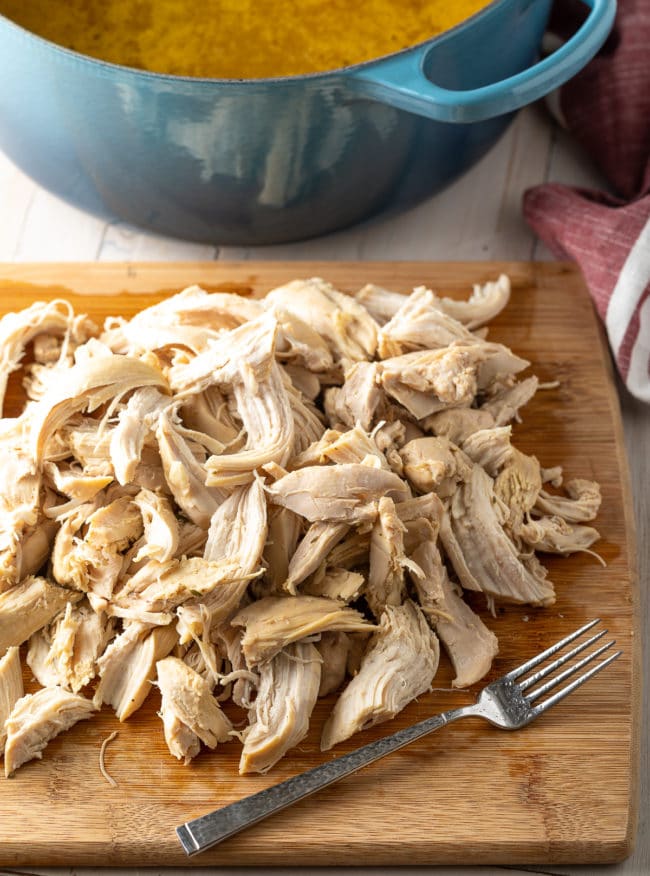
column 479, row 217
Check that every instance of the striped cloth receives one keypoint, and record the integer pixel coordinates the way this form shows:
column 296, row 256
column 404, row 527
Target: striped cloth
column 607, row 109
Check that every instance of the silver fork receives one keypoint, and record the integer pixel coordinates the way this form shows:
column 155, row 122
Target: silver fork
column 503, row 703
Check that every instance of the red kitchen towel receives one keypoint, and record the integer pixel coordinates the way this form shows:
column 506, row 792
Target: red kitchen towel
column 607, row 109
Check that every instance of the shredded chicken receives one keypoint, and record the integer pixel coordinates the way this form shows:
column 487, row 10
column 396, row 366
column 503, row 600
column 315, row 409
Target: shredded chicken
column 36, row 719
column 220, row 364
column 399, row 665
column 90, row 383
column 387, row 560
column 313, row 550
column 265, row 502
column 471, row 646
column 287, row 693
column 484, row 304
column 66, row 652
column 19, row 510
column 334, row 649
column 74, row 483
column 192, row 318
column 29, row 606
column 190, row 713
column 127, row 667
column 504, row 405
column 434, row 465
column 346, row 493
column 208, row 412
column 160, row 524
column 336, row 584
column 236, row 539
column 135, row 422
column 265, row 410
column 93, row 563
column 102, row 755
column 11, row 688
column 431, row 380
column 491, row 561
column 41, row 319
column 185, row 474
column 582, row 501
column 490, row 448
column 420, row 324
column 358, row 399
column 162, row 587
column 381, row 304
column 555, row 536
column 517, row 484
column 274, row 622
column 457, row 424
column 299, row 344
column 346, row 326
column 355, row 445
column 283, row 535
column 427, row 571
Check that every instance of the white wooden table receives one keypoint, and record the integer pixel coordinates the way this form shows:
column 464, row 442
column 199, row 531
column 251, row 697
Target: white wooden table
column 478, row 218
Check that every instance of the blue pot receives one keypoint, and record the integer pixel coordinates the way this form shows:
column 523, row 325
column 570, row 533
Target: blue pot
column 271, row 160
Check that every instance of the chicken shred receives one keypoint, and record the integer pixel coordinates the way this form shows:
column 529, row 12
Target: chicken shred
column 11, row 688
column 65, row 653
column 491, row 559
column 41, row 319
column 287, row 693
column 334, row 649
column 420, row 324
column 160, row 525
column 190, row 713
column 19, row 511
column 346, row 493
column 346, row 326
column 387, row 560
column 334, row 583
column 28, row 606
column 36, row 719
column 581, row 504
column 399, row 665
column 274, row 622
column 313, row 550
column 128, row 667
column 471, row 646
column 555, row 536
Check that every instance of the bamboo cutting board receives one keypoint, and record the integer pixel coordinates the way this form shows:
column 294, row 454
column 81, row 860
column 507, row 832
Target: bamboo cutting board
column 561, row 791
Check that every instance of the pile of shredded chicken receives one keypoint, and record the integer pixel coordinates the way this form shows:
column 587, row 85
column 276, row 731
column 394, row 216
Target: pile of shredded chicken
column 265, row 502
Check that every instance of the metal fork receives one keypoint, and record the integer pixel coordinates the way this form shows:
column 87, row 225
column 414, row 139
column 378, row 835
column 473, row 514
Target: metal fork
column 503, row 703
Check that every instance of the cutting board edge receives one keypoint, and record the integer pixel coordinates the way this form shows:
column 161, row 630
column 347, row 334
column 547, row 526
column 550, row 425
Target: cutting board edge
column 39, row 274
column 633, row 569
column 505, row 853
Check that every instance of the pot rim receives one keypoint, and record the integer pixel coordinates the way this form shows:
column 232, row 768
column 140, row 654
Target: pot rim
column 109, row 67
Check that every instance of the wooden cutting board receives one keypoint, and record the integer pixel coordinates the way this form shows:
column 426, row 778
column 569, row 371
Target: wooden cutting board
column 564, row 790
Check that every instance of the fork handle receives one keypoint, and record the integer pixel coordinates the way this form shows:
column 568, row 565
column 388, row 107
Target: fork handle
column 208, row 830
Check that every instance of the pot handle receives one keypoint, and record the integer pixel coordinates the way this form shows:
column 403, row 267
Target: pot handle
column 400, row 81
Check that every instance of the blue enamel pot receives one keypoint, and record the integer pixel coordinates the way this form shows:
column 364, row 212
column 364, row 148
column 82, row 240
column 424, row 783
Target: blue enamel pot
column 270, row 160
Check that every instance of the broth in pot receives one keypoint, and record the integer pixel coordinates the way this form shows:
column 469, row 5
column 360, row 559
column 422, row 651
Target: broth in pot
column 238, row 39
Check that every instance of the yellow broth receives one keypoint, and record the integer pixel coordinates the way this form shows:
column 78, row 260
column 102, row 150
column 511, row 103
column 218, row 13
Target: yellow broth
column 237, row 38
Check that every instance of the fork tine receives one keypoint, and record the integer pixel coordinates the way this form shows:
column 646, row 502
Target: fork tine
column 542, row 707
column 542, row 673
column 539, row 658
column 576, row 667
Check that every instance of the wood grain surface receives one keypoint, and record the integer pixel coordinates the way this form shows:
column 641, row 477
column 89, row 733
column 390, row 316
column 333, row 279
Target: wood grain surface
column 561, row 791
